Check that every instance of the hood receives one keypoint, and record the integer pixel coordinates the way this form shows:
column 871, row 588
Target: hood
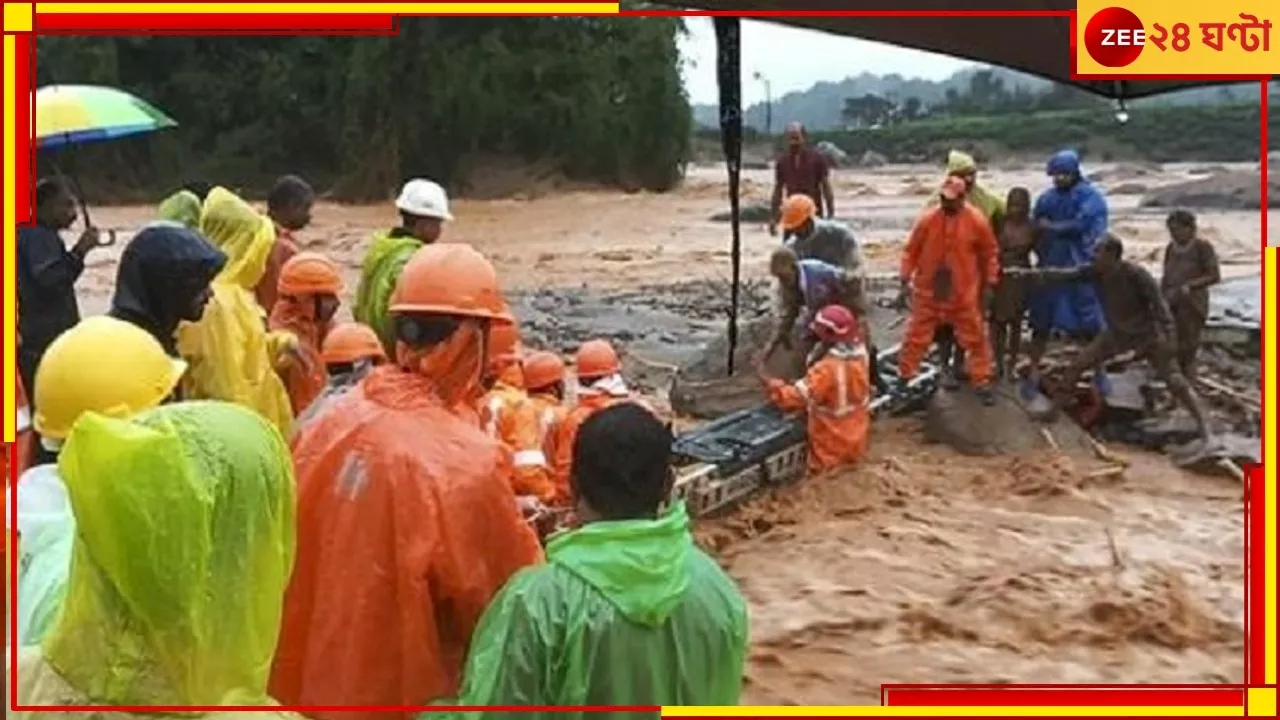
column 182, row 207
column 160, row 270
column 298, row 316
column 958, row 162
column 244, row 234
column 1063, row 162
column 182, row 554
column 641, row 566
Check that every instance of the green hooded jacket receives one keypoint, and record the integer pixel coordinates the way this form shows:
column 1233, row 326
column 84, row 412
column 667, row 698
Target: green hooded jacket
column 379, row 273
column 623, row 613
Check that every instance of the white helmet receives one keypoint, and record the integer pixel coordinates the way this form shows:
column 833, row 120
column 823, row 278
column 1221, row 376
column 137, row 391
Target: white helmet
column 424, row 198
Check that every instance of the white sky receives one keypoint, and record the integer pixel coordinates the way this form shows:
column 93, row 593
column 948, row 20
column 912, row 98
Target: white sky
column 794, row 59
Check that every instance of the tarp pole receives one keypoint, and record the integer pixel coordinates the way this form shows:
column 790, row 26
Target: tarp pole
column 729, row 77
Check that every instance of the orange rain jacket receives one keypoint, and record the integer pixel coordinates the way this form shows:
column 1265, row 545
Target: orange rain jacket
column 407, row 527
column 835, row 391
column 303, row 381
column 511, row 418
column 964, row 244
column 551, row 415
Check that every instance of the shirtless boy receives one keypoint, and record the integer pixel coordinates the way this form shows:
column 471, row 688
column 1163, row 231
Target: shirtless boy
column 1017, row 237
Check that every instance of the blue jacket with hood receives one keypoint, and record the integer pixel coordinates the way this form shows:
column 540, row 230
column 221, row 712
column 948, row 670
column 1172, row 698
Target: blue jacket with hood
column 1078, row 217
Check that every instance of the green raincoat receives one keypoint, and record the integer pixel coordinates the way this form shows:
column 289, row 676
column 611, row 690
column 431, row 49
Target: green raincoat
column 623, row 613
column 184, row 545
column 383, row 263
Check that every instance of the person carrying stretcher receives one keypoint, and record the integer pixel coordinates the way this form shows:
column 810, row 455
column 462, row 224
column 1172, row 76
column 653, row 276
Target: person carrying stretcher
column 808, row 286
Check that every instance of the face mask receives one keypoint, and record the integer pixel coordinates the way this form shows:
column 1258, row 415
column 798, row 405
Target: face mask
column 454, row 365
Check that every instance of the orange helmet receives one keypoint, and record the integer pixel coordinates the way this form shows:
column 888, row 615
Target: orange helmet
column 504, row 344
column 309, row 273
column 449, row 279
column 543, row 369
column 597, row 358
column 798, row 210
column 349, row 342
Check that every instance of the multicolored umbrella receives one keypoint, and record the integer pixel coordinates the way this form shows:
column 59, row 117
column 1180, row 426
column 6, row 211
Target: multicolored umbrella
column 73, row 114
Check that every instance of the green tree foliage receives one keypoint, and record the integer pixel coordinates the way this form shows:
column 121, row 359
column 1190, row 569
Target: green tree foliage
column 599, row 98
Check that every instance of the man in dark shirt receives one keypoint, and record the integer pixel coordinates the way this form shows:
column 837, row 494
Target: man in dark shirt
column 46, row 275
column 1190, row 268
column 802, row 170
column 1137, row 319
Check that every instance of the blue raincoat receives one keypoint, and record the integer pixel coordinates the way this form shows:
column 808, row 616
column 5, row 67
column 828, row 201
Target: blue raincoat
column 1079, row 222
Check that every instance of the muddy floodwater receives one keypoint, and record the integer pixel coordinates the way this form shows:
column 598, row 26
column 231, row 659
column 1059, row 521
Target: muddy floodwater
column 921, row 565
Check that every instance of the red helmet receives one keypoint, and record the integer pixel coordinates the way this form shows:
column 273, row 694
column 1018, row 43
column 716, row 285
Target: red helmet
column 834, row 323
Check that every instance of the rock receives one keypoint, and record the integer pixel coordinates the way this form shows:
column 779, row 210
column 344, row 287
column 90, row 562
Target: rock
column 871, row 158
column 832, row 152
column 1225, row 191
column 959, row 419
column 1128, row 188
column 753, row 213
column 1125, row 171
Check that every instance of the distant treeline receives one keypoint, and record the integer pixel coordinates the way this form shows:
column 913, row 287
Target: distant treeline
column 600, row 99
column 1210, row 133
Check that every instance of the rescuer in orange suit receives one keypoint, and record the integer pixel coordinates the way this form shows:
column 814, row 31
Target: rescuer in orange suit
column 508, row 416
column 544, row 381
column 306, row 301
column 949, row 271
column 407, row 525
column 835, row 392
column 600, row 385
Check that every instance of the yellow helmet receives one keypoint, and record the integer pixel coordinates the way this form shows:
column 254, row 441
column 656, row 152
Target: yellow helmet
column 101, row 365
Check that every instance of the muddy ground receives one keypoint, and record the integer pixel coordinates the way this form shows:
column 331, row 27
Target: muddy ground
column 921, row 565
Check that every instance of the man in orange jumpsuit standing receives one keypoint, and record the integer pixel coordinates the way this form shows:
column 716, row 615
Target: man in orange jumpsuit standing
column 307, row 300
column 949, row 269
column 509, row 417
column 544, row 381
column 407, row 525
column 835, row 392
column 600, row 385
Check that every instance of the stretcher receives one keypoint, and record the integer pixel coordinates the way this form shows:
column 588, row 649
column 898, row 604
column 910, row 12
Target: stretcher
column 722, row 463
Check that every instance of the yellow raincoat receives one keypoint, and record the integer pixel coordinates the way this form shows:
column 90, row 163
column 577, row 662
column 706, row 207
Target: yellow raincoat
column 182, row 207
column 231, row 354
column 992, row 206
column 185, row 543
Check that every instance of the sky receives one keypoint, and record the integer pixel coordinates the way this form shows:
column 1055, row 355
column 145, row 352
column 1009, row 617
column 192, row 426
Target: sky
column 794, row 59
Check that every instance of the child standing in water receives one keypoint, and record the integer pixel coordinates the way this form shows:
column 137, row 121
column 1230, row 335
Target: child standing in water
column 1017, row 236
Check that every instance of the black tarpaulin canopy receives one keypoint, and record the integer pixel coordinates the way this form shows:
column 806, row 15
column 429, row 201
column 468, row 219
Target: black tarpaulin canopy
column 1035, row 44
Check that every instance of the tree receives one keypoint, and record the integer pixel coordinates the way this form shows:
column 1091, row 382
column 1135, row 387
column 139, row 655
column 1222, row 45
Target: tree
column 600, row 98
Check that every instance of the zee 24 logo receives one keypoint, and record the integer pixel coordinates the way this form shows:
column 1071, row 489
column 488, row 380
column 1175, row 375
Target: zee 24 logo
column 1115, row 37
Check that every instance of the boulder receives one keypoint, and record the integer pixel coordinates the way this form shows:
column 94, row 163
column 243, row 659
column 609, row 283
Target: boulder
column 752, row 213
column 871, row 158
column 959, row 419
column 1224, row 191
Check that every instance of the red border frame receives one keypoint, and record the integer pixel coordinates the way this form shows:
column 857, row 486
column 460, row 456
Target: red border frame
column 897, row 694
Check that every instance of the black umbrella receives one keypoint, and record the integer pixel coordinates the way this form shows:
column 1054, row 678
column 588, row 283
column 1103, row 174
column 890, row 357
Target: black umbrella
column 1037, row 41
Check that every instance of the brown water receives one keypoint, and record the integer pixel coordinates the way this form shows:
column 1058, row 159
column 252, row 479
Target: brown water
column 920, row 566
